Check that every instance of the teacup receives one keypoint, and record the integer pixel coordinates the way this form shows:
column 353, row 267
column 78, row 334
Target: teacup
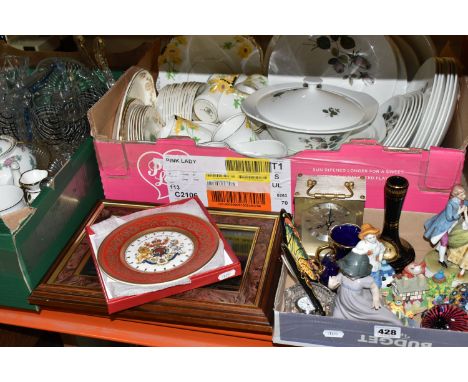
column 342, row 238
column 250, row 84
column 211, row 127
column 30, row 181
column 180, row 127
column 11, row 199
column 229, row 104
column 236, row 129
column 205, row 105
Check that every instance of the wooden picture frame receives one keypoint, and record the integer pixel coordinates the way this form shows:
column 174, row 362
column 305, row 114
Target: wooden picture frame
column 243, row 303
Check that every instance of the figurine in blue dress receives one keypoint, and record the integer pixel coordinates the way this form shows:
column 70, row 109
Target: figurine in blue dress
column 438, row 227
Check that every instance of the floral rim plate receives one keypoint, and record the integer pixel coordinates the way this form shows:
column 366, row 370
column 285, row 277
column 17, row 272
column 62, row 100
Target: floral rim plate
column 158, row 248
column 195, row 58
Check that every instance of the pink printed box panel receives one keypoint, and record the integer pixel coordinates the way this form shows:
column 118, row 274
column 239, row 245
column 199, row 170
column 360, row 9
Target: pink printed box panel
column 134, row 171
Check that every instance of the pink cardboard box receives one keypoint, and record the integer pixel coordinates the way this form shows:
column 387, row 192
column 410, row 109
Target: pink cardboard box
column 173, row 169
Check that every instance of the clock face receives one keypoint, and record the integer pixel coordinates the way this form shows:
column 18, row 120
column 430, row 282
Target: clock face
column 159, row 251
column 318, row 219
column 305, row 305
column 158, row 248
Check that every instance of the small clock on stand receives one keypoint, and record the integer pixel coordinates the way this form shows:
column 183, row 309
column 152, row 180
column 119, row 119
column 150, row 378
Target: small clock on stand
column 322, row 201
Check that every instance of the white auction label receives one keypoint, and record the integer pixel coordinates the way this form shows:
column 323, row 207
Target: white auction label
column 226, row 275
column 241, row 183
column 333, row 334
column 387, row 331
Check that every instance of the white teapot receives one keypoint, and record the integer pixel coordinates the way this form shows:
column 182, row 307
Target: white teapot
column 14, row 160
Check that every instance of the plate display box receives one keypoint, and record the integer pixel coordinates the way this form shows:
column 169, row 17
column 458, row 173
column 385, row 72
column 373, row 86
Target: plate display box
column 243, row 303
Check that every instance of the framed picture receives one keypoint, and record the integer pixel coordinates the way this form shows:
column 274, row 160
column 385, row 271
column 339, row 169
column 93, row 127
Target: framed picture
column 241, row 303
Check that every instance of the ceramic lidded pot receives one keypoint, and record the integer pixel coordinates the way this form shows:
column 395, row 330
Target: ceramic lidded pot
column 10, row 152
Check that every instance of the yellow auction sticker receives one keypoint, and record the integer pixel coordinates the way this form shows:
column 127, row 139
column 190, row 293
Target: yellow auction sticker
column 244, row 170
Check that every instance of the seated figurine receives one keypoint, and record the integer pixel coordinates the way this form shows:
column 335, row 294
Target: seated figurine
column 438, row 227
column 358, row 296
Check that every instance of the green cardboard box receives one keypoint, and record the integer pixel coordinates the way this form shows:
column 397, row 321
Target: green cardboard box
column 28, row 251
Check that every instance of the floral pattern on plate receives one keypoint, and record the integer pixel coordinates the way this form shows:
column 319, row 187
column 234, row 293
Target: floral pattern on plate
column 345, row 59
column 172, row 56
column 390, row 118
column 242, row 46
column 331, row 111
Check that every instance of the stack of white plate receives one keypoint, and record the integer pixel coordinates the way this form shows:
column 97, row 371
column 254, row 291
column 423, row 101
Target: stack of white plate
column 401, row 116
column 438, row 80
column 140, row 122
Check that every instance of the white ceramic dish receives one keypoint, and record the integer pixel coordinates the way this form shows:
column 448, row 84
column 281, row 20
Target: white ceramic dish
column 297, row 141
column 316, row 109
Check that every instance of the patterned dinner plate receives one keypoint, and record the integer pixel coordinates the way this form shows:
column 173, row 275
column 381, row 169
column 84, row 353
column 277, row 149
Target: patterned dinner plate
column 195, row 58
column 158, row 248
column 367, row 64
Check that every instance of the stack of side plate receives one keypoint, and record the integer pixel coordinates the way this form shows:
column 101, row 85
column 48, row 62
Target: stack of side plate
column 438, row 80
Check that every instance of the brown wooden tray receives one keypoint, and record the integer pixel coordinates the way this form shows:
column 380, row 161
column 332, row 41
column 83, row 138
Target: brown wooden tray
column 241, row 303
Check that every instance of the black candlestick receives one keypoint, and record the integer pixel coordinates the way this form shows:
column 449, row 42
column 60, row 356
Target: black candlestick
column 399, row 252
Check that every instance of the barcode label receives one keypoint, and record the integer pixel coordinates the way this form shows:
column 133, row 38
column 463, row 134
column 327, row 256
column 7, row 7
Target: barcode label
column 262, row 178
column 221, row 183
column 241, row 200
column 248, row 165
column 216, row 176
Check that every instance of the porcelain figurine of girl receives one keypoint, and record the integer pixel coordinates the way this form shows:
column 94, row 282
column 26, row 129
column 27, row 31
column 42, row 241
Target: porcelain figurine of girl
column 438, row 227
column 358, row 296
column 370, row 246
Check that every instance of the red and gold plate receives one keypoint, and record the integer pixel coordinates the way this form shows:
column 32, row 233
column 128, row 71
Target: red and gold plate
column 158, row 248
